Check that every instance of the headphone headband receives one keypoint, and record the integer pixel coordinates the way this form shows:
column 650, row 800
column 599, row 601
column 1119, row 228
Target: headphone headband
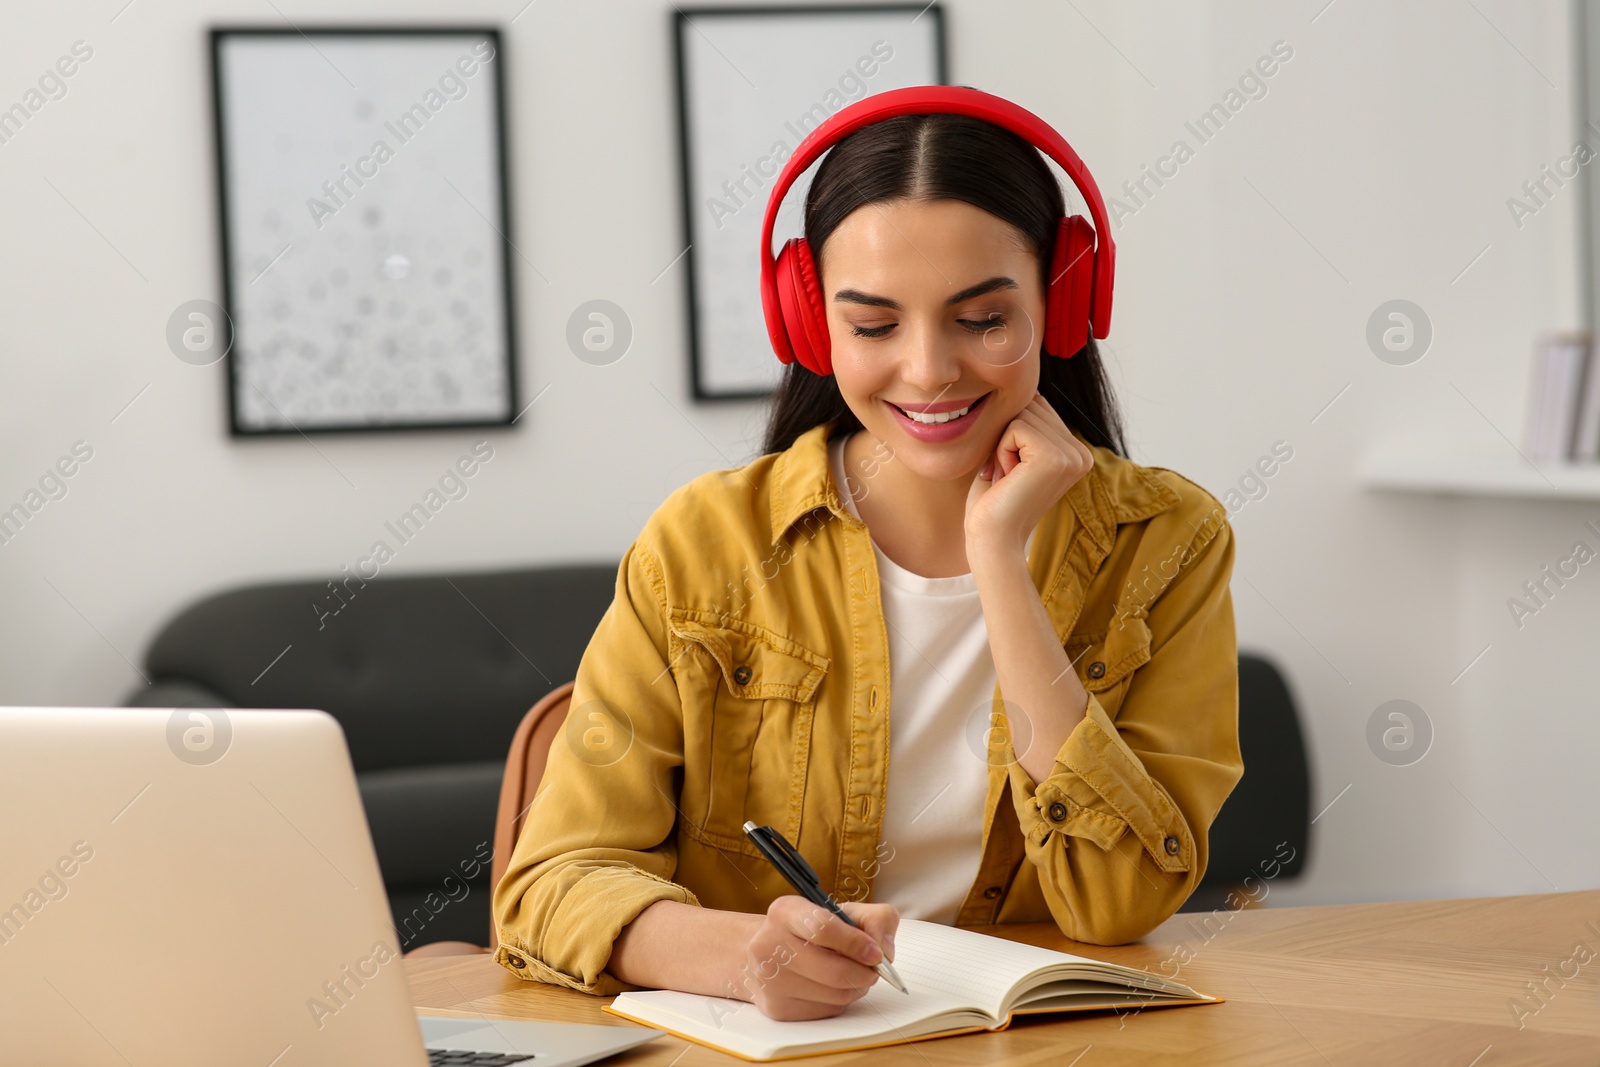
column 941, row 99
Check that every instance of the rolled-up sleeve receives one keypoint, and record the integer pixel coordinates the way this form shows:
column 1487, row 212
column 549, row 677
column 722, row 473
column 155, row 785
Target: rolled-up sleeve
column 596, row 846
column 1118, row 831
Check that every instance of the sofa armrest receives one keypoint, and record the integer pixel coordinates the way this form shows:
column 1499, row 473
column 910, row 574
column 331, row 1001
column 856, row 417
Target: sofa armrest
column 176, row 693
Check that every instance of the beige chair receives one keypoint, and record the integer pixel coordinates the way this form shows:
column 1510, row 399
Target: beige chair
column 530, row 747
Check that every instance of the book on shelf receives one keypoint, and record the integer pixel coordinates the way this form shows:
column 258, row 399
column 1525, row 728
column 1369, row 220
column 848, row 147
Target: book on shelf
column 1586, row 436
column 961, row 981
column 1564, row 401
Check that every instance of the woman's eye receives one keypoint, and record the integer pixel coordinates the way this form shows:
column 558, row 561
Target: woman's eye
column 995, row 321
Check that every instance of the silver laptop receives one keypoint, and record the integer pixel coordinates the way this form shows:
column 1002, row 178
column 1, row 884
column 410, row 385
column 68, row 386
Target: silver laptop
column 189, row 887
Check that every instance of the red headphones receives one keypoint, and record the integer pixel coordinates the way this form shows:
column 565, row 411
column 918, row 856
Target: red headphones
column 1079, row 292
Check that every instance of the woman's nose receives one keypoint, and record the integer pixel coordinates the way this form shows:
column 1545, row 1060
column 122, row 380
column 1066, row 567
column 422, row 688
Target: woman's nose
column 930, row 361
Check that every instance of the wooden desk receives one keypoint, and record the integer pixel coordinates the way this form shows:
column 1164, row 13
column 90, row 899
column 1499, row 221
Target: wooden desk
column 1410, row 983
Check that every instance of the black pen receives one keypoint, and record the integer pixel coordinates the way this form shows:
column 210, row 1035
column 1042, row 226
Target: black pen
column 794, row 868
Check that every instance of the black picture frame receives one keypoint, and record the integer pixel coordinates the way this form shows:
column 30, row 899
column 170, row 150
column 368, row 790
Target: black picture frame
column 498, row 216
column 681, row 21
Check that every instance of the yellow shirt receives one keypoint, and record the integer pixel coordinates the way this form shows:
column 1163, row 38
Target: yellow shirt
column 741, row 672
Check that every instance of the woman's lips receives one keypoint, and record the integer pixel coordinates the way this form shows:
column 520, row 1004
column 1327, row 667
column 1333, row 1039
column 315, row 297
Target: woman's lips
column 945, row 431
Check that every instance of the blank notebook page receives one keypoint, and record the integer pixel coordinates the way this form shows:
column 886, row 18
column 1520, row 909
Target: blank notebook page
column 976, row 968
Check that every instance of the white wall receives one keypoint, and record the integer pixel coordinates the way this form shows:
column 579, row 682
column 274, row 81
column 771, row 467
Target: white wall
column 1377, row 166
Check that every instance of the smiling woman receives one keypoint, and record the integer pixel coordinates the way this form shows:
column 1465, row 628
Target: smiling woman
column 938, row 169
column 895, row 695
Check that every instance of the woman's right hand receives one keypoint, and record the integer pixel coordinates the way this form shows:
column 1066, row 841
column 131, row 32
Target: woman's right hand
column 803, row 963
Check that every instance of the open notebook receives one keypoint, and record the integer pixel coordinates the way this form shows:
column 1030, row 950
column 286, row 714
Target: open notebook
column 960, row 981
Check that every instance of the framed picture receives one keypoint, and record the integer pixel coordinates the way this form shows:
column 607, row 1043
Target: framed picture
column 752, row 83
column 365, row 249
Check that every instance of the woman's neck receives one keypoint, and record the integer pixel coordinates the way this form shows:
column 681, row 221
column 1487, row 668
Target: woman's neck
column 917, row 523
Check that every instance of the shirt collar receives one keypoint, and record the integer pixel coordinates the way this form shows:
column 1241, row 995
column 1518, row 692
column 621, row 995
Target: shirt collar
column 1115, row 491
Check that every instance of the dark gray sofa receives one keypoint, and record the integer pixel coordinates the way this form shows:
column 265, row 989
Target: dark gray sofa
column 428, row 675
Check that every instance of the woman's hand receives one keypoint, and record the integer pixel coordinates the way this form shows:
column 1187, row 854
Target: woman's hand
column 803, row 963
column 1034, row 464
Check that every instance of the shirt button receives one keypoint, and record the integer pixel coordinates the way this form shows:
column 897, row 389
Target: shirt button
column 516, row 961
column 1058, row 811
column 741, row 674
column 992, row 892
column 1171, row 845
column 1097, row 669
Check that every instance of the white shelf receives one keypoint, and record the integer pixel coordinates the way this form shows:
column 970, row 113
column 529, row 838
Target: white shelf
column 1495, row 476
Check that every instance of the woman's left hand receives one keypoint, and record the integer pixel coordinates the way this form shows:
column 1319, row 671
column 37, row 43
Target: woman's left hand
column 1034, row 464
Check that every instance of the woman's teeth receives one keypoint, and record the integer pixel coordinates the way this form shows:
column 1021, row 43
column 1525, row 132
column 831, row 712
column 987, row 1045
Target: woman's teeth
column 935, row 420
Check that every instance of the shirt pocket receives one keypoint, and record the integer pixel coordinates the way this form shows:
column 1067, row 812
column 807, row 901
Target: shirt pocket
column 1105, row 661
column 747, row 743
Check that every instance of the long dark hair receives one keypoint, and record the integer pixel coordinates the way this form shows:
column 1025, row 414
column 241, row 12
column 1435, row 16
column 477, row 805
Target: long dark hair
column 944, row 157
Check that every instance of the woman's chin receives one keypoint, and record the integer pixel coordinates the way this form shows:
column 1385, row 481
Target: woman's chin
column 942, row 463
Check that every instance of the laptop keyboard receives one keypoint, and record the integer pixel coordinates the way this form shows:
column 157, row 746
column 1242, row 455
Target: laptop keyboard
column 440, row 1056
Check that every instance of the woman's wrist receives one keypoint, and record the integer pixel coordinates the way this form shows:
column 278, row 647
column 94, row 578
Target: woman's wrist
column 989, row 557
column 672, row 945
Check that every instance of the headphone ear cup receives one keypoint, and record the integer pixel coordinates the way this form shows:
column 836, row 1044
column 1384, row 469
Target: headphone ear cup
column 805, row 320
column 1066, row 327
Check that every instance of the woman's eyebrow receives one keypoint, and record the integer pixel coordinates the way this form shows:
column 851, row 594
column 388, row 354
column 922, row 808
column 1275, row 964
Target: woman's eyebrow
column 856, row 296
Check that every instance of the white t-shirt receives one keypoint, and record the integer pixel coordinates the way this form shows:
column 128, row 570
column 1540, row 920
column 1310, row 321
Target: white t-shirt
column 941, row 685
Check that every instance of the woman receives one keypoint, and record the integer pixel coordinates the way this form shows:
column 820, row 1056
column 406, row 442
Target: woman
column 819, row 640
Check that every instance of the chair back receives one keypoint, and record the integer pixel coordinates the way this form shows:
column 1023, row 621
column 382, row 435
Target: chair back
column 530, row 747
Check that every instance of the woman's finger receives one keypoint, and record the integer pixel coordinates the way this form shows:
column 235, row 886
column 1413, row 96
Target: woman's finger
column 828, row 968
column 879, row 920
column 1041, row 415
column 822, row 928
